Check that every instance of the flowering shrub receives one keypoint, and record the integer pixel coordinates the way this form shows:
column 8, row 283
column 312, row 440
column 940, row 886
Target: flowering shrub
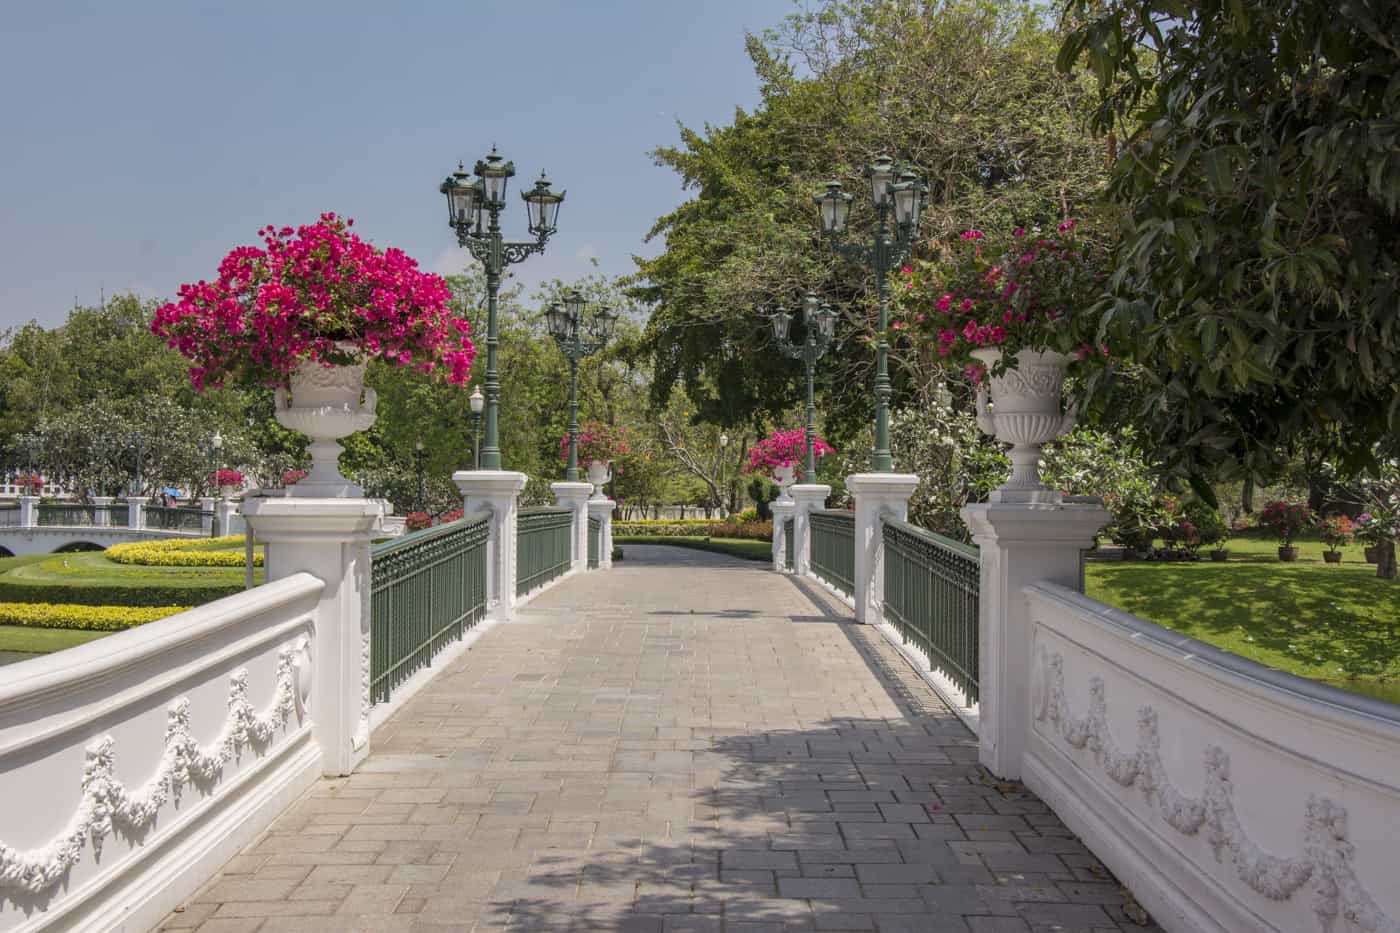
column 303, row 292
column 417, row 521
column 292, row 477
column 1337, row 531
column 597, row 441
column 90, row 618
column 784, row 448
column 1181, row 535
column 211, row 552
column 32, row 483
column 1285, row 519
column 1377, row 525
column 227, row 478
column 1012, row 292
column 1210, row 527
column 451, row 515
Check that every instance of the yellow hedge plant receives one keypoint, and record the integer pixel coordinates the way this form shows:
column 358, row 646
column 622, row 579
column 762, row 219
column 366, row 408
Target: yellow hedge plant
column 183, row 552
column 91, row 618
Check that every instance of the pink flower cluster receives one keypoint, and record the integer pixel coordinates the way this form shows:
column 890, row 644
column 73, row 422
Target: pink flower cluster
column 301, row 293
column 292, row 477
column 227, row 478
column 597, row 441
column 784, row 448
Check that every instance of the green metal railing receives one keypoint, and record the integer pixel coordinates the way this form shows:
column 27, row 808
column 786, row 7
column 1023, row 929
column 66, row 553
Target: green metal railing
column 9, row 515
column 788, row 558
column 833, row 558
column 117, row 514
column 176, row 518
column 67, row 515
column 931, row 596
column 542, row 548
column 595, row 541
column 426, row 589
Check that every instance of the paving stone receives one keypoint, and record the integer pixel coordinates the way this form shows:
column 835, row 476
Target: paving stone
column 684, row 743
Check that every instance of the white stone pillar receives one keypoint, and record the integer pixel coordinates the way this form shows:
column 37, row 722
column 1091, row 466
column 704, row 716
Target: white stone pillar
column 28, row 511
column 135, row 512
column 498, row 492
column 574, row 496
column 226, row 511
column 782, row 511
column 329, row 539
column 102, row 511
column 876, row 496
column 206, row 515
column 1021, row 544
column 602, row 509
column 806, row 497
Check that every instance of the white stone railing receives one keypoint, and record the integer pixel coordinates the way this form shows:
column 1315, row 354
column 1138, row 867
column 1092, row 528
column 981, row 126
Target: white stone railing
column 1227, row 796
column 132, row 767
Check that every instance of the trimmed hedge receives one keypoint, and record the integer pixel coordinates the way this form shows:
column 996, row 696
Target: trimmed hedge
column 752, row 531
column 90, row 618
column 113, row 594
column 213, row 552
column 746, row 549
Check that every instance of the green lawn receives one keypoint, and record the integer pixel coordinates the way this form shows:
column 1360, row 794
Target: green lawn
column 92, row 568
column 734, row 547
column 1337, row 623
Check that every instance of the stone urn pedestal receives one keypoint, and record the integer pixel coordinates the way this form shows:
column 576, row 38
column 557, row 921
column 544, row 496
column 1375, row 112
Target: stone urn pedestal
column 784, row 476
column 599, row 474
column 1024, row 412
column 324, row 404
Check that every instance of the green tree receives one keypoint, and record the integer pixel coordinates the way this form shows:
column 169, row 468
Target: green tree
column 1258, row 274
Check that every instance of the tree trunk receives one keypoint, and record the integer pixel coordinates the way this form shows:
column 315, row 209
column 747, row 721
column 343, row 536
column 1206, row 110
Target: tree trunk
column 1247, row 497
column 1385, row 567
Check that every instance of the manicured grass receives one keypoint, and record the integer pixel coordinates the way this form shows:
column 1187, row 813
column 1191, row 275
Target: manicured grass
column 734, row 547
column 15, row 638
column 93, row 568
column 1336, row 623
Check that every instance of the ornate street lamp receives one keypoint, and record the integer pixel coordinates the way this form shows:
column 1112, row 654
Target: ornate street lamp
column 419, row 455
column 31, row 442
column 723, row 474
column 474, row 212
column 478, row 402
column 899, row 197
column 577, row 338
column 819, row 322
column 138, row 442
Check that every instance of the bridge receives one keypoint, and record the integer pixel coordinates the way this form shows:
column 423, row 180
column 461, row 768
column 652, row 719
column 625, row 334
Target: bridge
column 31, row 527
column 488, row 726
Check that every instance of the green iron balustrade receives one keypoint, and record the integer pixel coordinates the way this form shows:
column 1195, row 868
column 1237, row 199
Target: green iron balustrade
column 9, row 515
column 117, row 514
column 67, row 515
column 833, row 535
column 426, row 589
column 595, row 536
column 788, row 558
column 931, row 596
column 542, row 546
column 175, row 518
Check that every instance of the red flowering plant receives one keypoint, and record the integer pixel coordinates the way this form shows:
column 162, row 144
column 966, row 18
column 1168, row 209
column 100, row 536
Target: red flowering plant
column 1286, row 519
column 1010, row 291
column 417, row 521
column 317, row 292
column 1337, row 531
column 30, row 484
column 597, row 441
column 784, row 448
column 451, row 515
column 227, row 478
column 292, row 477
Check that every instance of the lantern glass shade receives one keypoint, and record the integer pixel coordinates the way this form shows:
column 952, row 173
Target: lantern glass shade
column 835, row 204
column 905, row 195
column 461, row 198
column 543, row 202
column 557, row 317
column 495, row 172
column 602, row 324
column 826, row 321
column 477, row 400
column 574, row 302
column 782, row 323
column 882, row 174
column 479, row 225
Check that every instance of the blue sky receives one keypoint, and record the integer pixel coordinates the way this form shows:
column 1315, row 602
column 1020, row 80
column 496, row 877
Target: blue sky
column 142, row 140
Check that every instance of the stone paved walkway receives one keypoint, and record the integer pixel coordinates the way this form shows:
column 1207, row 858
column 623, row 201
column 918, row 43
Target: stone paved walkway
column 685, row 743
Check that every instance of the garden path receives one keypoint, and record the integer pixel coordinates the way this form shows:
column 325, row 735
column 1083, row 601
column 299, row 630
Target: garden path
column 687, row 742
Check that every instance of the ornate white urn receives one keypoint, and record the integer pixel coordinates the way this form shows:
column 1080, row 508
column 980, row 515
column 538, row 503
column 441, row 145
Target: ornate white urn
column 325, row 406
column 1025, row 413
column 226, row 492
column 784, row 476
column 599, row 474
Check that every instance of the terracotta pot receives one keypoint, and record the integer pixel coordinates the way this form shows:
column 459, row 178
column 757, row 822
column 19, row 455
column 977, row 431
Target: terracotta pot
column 1288, row 554
column 1219, row 556
column 325, row 406
column 1025, row 413
column 1332, row 557
column 1373, row 554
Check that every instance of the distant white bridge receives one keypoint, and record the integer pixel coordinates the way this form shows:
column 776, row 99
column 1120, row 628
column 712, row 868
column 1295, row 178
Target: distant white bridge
column 28, row 527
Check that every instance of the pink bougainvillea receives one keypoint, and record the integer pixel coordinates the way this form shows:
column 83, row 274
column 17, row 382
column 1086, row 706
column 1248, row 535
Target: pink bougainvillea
column 784, row 448
column 227, row 478
column 292, row 477
column 597, row 441
column 417, row 521
column 302, row 293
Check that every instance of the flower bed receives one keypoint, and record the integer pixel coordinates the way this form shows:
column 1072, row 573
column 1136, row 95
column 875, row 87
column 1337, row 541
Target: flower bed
column 690, row 528
column 91, row 618
column 214, row 552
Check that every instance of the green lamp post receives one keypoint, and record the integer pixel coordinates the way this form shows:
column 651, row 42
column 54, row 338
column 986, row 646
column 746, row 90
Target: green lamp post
column 577, row 339
column 819, row 322
column 474, row 212
column 899, row 198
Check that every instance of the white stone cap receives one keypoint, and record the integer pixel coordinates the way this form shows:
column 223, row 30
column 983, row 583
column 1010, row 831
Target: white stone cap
column 1071, row 522
column 809, row 491
column 304, row 518
column 779, row 507
column 573, row 490
column 490, row 482
column 601, row 506
column 894, row 485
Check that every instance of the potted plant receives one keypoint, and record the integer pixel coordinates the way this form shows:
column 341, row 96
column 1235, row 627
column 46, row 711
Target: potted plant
column 1010, row 308
column 1210, row 528
column 782, row 456
column 599, row 445
column 1368, row 529
column 226, row 481
column 1286, row 519
column 1336, row 531
column 303, row 314
column 1182, row 539
column 30, row 484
